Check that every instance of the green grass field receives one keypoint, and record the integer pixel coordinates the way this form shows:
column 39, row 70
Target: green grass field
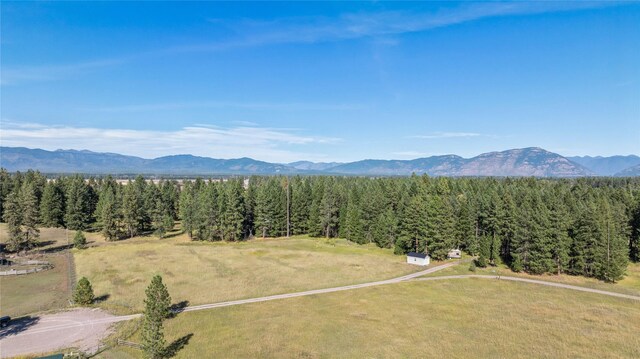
column 461, row 318
column 204, row 272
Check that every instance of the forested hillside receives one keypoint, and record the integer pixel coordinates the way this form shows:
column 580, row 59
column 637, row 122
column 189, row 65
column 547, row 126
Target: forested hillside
column 584, row 226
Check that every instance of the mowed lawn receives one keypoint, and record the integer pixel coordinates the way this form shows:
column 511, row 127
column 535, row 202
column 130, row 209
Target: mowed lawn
column 204, row 272
column 454, row 319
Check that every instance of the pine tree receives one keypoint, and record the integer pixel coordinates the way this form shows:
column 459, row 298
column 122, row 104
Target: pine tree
column 79, row 240
column 6, row 187
column 317, row 192
column 233, row 214
column 270, row 209
column 300, row 205
column 30, row 216
column 52, row 205
column 465, row 225
column 109, row 214
column 83, row 293
column 413, row 226
column 188, row 208
column 634, row 238
column 13, row 218
column 78, row 204
column 157, row 308
column 386, row 229
column 330, row 209
column 133, row 209
column 439, row 227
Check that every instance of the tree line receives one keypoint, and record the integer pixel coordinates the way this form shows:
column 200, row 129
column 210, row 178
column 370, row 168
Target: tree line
column 586, row 226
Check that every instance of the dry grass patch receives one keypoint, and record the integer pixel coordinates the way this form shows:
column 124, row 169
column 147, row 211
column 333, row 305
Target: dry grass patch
column 202, row 272
column 47, row 290
column 629, row 285
column 462, row 318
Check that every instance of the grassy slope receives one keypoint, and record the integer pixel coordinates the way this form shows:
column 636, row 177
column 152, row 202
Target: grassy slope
column 629, row 285
column 467, row 317
column 201, row 272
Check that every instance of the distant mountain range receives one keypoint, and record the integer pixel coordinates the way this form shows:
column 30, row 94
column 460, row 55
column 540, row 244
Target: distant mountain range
column 607, row 166
column 532, row 161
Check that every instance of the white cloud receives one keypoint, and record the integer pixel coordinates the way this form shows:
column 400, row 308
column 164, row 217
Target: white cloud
column 275, row 106
column 268, row 144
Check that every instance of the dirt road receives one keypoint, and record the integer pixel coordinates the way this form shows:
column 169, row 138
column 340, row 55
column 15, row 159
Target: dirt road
column 535, row 281
column 82, row 328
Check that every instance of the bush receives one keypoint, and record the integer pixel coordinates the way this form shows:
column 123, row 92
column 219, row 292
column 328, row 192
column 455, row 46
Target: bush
column 79, row 240
column 472, row 267
column 83, row 294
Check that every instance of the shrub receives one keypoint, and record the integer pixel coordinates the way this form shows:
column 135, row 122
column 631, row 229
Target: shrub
column 79, row 240
column 83, row 294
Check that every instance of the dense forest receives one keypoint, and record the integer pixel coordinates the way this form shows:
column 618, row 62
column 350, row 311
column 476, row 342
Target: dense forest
column 586, row 226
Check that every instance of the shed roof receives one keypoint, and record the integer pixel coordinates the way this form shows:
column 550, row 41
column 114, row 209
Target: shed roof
column 417, row 255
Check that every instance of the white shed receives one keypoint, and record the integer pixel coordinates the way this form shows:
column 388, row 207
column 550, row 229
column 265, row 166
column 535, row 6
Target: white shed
column 418, row 259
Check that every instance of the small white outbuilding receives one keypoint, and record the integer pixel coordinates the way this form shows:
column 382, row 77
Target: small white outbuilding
column 418, row 259
column 454, row 253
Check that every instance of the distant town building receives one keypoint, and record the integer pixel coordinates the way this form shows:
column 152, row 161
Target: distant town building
column 418, row 259
column 454, row 253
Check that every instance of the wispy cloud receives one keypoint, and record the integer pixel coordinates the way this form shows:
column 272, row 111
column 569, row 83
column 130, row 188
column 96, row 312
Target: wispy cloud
column 12, row 75
column 269, row 144
column 437, row 135
column 276, row 106
column 348, row 26
column 380, row 26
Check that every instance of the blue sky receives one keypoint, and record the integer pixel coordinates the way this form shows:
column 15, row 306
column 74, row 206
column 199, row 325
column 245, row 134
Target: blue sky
column 321, row 81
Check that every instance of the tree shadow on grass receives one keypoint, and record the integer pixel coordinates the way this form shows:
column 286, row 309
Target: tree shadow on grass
column 177, row 345
column 101, row 298
column 18, row 325
column 178, row 308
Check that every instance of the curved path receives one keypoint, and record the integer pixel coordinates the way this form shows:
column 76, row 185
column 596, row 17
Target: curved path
column 85, row 328
column 535, row 281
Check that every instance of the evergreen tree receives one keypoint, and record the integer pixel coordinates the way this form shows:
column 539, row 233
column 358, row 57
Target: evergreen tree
column 439, row 227
column 157, row 308
column 188, row 208
column 79, row 240
column 83, row 293
column 109, row 214
column 330, row 210
column 270, row 209
column 634, row 238
column 134, row 214
column 465, row 227
column 6, row 187
column 300, row 205
column 78, row 204
column 13, row 218
column 52, row 205
column 233, row 214
column 413, row 226
column 30, row 216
